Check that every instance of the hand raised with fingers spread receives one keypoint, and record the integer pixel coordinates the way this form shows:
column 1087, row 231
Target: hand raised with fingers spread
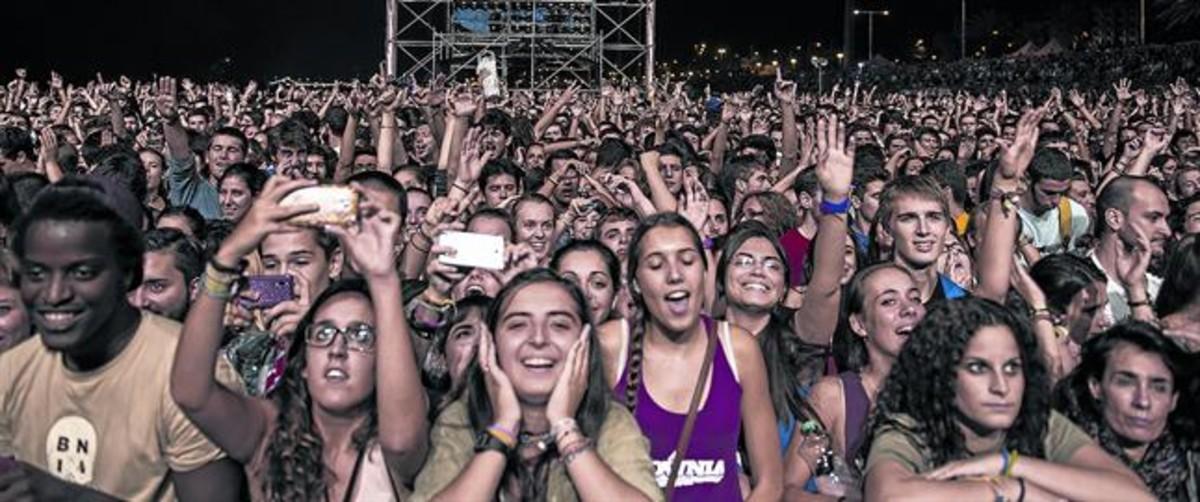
column 1016, row 158
column 835, row 165
column 473, row 157
column 1122, row 89
column 165, row 101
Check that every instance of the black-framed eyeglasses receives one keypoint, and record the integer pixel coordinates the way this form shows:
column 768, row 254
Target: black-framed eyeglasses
column 359, row 337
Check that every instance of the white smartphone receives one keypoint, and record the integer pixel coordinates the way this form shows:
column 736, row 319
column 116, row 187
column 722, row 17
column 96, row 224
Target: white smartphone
column 473, row 250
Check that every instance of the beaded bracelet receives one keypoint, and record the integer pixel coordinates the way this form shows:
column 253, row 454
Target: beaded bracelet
column 563, row 427
column 571, row 452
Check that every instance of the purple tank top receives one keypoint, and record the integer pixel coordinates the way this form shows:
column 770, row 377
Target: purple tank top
column 858, row 405
column 710, row 467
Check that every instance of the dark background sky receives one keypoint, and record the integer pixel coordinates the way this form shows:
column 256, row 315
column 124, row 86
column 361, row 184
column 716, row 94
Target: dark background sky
column 343, row 38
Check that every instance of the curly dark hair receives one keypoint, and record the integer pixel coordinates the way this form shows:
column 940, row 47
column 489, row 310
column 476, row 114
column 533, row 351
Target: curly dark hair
column 295, row 468
column 921, row 385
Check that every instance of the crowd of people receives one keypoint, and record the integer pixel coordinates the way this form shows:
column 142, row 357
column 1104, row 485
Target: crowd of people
column 220, row 292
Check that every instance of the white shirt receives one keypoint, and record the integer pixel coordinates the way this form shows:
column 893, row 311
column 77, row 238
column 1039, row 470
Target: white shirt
column 1118, row 304
column 1042, row 230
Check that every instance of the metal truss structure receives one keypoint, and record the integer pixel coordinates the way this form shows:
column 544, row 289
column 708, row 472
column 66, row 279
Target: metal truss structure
column 538, row 44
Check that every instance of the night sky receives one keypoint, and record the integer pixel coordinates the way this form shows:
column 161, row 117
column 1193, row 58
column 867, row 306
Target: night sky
column 343, row 38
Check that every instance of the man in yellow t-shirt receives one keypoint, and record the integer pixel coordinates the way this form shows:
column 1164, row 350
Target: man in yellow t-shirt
column 85, row 407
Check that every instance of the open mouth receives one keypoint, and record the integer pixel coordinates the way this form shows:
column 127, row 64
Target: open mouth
column 905, row 331
column 539, row 364
column 336, row 375
column 677, row 302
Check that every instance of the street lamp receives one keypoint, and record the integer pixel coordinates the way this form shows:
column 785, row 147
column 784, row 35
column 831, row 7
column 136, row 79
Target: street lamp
column 871, row 27
column 820, row 63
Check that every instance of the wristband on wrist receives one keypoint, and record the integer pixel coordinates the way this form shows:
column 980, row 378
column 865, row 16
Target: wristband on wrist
column 1136, row 304
column 218, row 285
column 562, row 427
column 220, row 267
column 1011, row 463
column 840, row 207
column 1004, row 457
column 502, row 434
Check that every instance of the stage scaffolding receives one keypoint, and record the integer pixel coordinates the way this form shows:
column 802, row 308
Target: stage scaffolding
column 538, row 43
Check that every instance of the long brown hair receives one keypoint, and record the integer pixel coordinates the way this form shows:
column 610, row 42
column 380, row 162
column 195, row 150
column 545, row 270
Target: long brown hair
column 295, row 466
column 637, row 324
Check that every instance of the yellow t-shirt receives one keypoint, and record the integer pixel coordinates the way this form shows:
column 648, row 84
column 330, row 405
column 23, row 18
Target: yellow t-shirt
column 962, row 222
column 1063, row 439
column 115, row 429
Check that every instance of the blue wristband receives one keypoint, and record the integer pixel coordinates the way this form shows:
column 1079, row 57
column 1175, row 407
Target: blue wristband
column 842, row 207
column 1004, row 455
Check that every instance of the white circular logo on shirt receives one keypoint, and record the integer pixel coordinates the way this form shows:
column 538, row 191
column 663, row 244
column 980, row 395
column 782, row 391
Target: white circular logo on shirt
column 71, row 449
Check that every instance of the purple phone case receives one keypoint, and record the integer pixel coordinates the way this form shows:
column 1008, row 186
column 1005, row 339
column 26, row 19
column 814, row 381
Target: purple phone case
column 272, row 290
column 7, row 463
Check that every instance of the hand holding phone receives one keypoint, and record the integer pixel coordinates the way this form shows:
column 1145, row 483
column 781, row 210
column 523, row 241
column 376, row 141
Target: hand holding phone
column 271, row 290
column 473, row 250
column 338, row 205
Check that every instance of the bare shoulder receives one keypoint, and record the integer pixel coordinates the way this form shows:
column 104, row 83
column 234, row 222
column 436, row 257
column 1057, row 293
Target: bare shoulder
column 745, row 346
column 826, row 399
column 609, row 335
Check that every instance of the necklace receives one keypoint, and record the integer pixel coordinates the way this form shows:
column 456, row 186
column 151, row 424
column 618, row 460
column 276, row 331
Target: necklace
column 542, row 441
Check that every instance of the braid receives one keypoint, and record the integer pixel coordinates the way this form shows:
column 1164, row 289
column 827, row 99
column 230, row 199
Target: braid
column 637, row 337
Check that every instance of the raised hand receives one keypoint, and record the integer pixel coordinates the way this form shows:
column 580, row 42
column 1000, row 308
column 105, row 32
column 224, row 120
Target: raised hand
column 572, row 380
column 265, row 216
column 1076, row 98
column 165, row 101
column 518, row 258
column 442, row 277
column 473, row 157
column 1015, row 158
column 49, row 140
column 1155, row 141
column 1122, row 88
column 835, row 165
column 785, row 90
column 694, row 201
column 371, row 245
column 462, row 102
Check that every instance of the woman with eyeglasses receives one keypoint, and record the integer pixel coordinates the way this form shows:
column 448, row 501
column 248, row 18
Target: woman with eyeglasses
column 339, row 426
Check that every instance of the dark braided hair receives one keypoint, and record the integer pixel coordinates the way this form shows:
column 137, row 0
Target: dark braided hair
column 637, row 325
column 921, row 385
